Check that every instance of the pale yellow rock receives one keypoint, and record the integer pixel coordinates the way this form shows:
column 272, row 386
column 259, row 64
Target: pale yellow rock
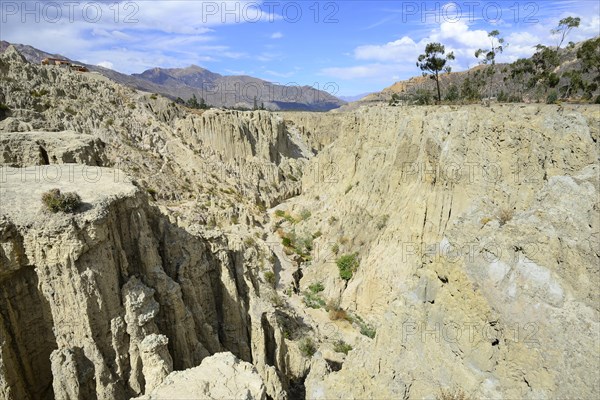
column 221, row 376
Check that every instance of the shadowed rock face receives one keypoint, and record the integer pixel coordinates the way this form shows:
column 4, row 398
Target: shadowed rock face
column 126, row 294
column 474, row 229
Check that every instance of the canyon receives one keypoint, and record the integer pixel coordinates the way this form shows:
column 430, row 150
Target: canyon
column 205, row 259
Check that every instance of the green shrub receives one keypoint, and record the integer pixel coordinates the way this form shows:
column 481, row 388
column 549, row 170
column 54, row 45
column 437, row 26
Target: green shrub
column 552, row 97
column 365, row 329
column 270, row 277
column 597, row 101
column 307, row 347
column 286, row 241
column 368, row 331
column 316, row 287
column 453, row 93
column 553, row 80
column 502, row 97
column 395, row 100
column 280, row 213
column 423, row 97
column 4, row 111
column 312, row 300
column 341, row 347
column 347, row 264
column 56, row 201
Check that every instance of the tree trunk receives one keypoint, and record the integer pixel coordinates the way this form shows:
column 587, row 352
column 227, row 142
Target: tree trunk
column 437, row 82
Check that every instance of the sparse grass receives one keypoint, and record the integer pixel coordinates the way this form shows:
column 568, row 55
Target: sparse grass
column 335, row 312
column 341, row 347
column 39, row 93
column 277, row 301
column 307, row 347
column 335, row 249
column 382, row 222
column 332, row 220
column 347, row 265
column 317, row 234
column 305, row 214
column 505, row 214
column 70, row 111
column 56, row 201
column 288, row 217
column 249, row 242
column 154, row 96
column 484, row 221
column 456, row 394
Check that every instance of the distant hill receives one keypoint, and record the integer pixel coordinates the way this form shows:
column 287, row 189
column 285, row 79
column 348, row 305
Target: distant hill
column 217, row 90
column 547, row 73
column 355, row 97
column 238, row 90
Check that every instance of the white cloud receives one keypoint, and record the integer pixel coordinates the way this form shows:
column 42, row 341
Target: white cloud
column 280, row 74
column 392, row 51
column 377, row 71
column 277, row 35
column 106, row 64
column 134, row 35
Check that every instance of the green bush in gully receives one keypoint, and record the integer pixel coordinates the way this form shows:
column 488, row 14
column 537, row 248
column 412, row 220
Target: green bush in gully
column 347, row 265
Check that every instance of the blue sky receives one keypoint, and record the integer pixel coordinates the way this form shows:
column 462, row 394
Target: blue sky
column 359, row 46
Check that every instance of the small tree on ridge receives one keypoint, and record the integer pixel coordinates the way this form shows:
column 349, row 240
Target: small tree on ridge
column 433, row 62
